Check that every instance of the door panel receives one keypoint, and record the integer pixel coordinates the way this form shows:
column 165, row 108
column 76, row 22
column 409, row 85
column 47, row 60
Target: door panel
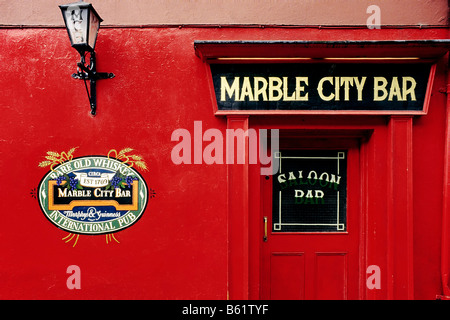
column 331, row 275
column 312, row 245
column 287, row 275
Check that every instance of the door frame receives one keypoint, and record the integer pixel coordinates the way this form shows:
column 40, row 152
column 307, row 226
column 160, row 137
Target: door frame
column 386, row 225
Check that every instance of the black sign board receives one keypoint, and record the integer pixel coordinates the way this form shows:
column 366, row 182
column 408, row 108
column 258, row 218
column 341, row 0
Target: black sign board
column 310, row 191
column 321, row 86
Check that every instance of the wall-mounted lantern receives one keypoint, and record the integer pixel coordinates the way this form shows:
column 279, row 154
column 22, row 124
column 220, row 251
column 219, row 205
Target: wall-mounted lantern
column 82, row 24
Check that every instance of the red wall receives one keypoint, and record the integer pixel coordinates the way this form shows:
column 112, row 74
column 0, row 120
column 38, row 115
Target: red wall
column 428, row 150
column 178, row 249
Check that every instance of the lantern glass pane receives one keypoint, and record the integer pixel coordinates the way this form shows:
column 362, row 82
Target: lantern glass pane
column 76, row 22
column 94, row 25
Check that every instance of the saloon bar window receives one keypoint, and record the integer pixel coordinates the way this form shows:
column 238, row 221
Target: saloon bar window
column 310, row 191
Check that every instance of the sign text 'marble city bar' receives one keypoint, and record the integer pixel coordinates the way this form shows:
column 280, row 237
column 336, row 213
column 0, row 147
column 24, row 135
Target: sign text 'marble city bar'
column 325, row 86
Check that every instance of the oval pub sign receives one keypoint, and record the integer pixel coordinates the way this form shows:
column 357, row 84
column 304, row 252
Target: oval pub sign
column 93, row 195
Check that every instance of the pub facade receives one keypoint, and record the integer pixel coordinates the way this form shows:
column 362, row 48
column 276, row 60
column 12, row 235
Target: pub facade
column 210, row 151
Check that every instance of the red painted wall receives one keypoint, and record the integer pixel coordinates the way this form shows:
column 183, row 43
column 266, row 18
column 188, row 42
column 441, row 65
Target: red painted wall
column 178, row 249
column 428, row 182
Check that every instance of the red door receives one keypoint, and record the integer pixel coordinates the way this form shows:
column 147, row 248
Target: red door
column 310, row 216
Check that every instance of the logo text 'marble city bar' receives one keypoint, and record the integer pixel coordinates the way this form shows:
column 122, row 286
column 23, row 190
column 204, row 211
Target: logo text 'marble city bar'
column 321, row 86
